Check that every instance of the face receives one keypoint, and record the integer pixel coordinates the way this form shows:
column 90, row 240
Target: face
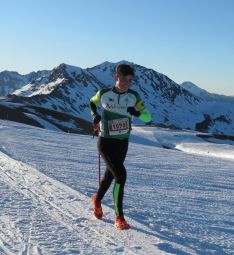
column 123, row 83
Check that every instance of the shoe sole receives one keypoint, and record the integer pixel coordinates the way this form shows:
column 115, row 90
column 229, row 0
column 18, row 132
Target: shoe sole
column 124, row 228
column 99, row 217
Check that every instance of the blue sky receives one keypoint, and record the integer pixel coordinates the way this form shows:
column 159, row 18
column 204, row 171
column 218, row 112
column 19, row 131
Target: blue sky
column 187, row 40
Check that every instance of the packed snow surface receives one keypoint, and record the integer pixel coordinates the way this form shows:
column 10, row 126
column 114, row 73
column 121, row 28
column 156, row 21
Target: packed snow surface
column 179, row 196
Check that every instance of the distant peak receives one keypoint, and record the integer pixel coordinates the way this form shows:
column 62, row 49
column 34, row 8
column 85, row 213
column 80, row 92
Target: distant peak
column 9, row 72
column 192, row 87
column 116, row 63
column 124, row 62
column 68, row 68
column 64, row 65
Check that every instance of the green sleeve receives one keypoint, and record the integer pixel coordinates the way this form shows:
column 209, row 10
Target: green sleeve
column 145, row 116
column 94, row 101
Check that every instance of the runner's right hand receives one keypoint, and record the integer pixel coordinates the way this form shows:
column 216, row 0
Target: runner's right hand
column 96, row 119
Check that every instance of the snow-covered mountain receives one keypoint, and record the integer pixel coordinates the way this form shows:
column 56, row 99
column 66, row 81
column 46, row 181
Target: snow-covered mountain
column 11, row 81
column 68, row 89
column 205, row 95
column 43, row 117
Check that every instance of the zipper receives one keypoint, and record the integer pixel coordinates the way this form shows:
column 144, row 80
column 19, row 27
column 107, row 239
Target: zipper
column 118, row 98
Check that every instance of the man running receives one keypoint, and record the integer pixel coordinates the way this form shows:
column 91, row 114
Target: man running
column 118, row 104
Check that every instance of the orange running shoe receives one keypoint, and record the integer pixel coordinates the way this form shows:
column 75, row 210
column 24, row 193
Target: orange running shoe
column 97, row 207
column 121, row 223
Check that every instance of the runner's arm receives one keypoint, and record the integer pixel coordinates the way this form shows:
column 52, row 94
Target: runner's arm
column 94, row 101
column 145, row 115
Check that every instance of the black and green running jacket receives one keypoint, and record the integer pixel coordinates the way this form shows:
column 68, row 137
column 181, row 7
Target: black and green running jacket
column 116, row 121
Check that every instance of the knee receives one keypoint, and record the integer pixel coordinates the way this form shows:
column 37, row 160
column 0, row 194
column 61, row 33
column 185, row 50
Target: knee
column 121, row 178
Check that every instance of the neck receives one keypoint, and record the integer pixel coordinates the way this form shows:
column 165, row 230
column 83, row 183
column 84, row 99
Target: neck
column 119, row 90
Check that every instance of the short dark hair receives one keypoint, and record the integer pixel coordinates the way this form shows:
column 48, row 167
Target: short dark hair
column 124, row 70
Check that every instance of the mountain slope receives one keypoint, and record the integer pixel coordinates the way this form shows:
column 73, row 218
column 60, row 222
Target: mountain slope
column 68, row 89
column 205, row 95
column 174, row 206
column 43, row 117
column 11, row 81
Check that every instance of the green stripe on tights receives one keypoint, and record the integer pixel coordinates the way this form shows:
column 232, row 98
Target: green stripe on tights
column 116, row 197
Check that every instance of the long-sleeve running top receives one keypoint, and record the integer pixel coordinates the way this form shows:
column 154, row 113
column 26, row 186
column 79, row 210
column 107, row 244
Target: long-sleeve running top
column 116, row 121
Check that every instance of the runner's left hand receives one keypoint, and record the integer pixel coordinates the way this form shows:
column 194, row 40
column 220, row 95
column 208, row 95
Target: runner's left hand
column 133, row 111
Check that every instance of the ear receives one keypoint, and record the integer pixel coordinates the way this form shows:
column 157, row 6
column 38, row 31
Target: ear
column 116, row 77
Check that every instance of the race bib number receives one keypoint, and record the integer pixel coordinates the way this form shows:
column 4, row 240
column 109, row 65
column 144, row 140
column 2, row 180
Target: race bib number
column 118, row 127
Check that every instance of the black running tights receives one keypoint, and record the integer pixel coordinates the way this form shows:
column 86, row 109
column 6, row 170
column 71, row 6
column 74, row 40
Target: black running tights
column 113, row 152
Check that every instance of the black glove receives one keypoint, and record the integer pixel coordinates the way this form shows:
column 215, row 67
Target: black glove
column 96, row 119
column 96, row 128
column 133, row 111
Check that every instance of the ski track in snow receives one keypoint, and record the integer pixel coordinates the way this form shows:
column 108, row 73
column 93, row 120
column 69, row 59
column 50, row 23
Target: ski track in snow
column 47, row 206
column 176, row 203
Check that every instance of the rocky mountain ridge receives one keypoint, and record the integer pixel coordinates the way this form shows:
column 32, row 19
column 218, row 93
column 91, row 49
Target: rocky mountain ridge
column 68, row 89
column 11, row 80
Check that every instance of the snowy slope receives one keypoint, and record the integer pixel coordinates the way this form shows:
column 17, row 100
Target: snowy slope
column 43, row 117
column 68, row 89
column 205, row 95
column 11, row 81
column 177, row 202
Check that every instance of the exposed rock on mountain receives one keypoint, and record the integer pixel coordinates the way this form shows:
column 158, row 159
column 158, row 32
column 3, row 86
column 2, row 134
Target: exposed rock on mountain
column 68, row 89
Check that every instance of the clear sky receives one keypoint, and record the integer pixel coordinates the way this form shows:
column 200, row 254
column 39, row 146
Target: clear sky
column 187, row 40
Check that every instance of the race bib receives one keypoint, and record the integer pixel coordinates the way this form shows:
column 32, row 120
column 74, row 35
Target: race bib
column 118, row 127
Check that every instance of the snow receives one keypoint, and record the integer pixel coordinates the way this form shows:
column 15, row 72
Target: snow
column 42, row 122
column 24, row 91
column 205, row 95
column 185, row 141
column 30, row 91
column 176, row 201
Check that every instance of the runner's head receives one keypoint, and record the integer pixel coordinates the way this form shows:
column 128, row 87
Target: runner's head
column 123, row 77
column 124, row 70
